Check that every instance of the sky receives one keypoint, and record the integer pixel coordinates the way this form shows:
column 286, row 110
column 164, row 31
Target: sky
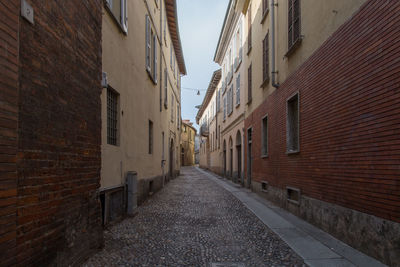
column 200, row 23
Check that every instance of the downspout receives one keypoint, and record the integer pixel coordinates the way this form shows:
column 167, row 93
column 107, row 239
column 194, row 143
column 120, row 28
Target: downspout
column 274, row 72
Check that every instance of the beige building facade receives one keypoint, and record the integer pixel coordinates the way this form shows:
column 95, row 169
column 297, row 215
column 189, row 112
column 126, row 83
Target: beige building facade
column 141, row 98
column 188, row 135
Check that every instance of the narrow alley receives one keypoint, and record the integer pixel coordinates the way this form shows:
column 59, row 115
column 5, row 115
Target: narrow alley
column 193, row 222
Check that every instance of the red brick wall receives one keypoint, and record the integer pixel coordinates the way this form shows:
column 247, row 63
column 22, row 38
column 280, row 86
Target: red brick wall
column 59, row 133
column 9, row 11
column 349, row 118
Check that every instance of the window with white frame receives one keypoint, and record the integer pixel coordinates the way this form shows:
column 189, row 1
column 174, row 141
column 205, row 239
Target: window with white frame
column 119, row 10
column 151, row 51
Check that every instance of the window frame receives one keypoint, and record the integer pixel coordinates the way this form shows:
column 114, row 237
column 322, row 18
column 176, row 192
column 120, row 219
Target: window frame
column 265, row 65
column 264, row 140
column 288, row 128
column 114, row 141
column 122, row 21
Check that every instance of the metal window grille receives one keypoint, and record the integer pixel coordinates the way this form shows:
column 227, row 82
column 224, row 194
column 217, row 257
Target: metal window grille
column 293, row 22
column 112, row 113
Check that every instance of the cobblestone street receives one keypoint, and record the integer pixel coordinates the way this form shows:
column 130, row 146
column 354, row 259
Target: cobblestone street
column 193, row 222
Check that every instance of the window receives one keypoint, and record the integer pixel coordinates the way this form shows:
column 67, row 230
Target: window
column 264, row 137
column 219, row 136
column 172, row 108
column 224, row 107
column 249, row 29
column 119, row 11
column 264, row 7
column 249, row 84
column 148, row 44
column 165, row 27
column 112, row 117
column 150, row 137
column 292, row 125
column 178, row 117
column 151, row 51
column 238, row 90
column 154, row 63
column 266, row 58
column 165, row 89
column 218, row 100
column 293, row 23
column 170, row 56
column 230, row 103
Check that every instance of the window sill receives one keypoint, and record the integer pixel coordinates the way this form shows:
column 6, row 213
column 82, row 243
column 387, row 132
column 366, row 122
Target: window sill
column 265, row 82
column 264, row 156
column 264, row 16
column 116, row 21
column 292, row 152
column 293, row 48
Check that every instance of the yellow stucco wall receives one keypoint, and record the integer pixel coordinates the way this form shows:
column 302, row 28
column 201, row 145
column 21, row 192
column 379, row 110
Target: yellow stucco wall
column 139, row 97
column 188, row 134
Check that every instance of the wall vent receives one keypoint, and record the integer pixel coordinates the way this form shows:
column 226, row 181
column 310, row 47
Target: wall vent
column 264, row 186
column 293, row 195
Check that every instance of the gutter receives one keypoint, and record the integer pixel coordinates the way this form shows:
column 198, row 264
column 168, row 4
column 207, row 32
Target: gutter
column 274, row 72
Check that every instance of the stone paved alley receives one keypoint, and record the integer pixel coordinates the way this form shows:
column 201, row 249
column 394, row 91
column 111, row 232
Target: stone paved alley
column 193, row 222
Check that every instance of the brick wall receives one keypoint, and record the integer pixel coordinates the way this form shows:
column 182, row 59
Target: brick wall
column 59, row 133
column 349, row 118
column 9, row 11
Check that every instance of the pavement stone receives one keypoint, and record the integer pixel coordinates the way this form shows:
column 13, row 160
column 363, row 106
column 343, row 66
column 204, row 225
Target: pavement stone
column 193, row 222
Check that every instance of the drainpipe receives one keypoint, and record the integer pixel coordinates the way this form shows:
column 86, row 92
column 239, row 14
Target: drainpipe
column 274, row 72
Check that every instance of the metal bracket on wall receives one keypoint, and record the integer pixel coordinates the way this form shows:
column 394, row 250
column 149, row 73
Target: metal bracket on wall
column 27, row 11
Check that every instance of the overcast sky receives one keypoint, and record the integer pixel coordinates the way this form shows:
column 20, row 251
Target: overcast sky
column 200, row 23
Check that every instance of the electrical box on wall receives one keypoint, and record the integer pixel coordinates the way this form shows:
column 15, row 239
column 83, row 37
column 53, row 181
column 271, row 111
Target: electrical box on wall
column 27, row 11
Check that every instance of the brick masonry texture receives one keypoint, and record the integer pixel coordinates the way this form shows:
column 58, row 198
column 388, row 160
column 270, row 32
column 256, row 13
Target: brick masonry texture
column 9, row 12
column 349, row 122
column 59, row 214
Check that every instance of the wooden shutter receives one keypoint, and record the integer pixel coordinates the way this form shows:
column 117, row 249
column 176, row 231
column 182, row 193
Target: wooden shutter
column 266, row 57
column 265, row 6
column 249, row 22
column 148, row 45
column 124, row 16
column 249, row 84
column 155, row 58
column 166, row 88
